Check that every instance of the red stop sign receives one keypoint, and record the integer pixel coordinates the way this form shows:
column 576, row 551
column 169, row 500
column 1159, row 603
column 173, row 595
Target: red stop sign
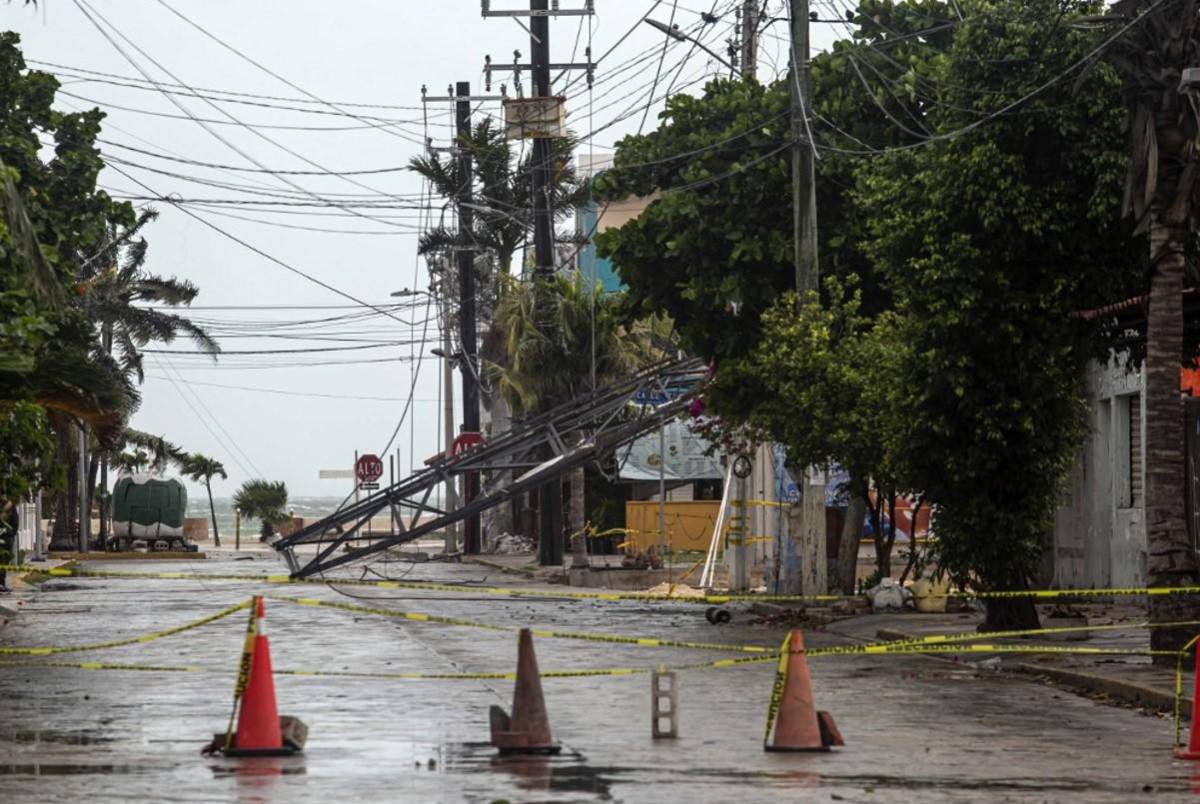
column 369, row 468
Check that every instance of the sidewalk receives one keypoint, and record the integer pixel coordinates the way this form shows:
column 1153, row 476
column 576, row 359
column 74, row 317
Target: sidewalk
column 1129, row 680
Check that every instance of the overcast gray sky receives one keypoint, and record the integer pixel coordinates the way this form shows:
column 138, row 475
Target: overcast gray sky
column 260, row 413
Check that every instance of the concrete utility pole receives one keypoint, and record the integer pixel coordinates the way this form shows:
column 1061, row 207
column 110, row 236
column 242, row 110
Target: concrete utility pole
column 808, row 522
column 451, row 501
column 466, row 309
column 550, row 526
column 804, row 189
column 749, row 55
column 543, row 214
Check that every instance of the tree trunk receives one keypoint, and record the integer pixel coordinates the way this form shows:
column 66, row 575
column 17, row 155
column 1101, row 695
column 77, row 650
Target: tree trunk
column 1171, row 561
column 577, row 521
column 884, row 544
column 61, row 537
column 913, row 548
column 856, row 509
column 550, row 535
column 876, row 511
column 212, row 510
column 1010, row 614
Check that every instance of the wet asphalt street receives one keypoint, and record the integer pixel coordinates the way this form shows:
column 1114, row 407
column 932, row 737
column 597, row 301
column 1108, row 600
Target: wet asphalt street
column 915, row 729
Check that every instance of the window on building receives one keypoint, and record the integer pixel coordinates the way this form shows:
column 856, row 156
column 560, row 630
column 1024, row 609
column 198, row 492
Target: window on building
column 1135, row 451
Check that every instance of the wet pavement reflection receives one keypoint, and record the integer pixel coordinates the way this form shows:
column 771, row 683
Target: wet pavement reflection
column 915, row 729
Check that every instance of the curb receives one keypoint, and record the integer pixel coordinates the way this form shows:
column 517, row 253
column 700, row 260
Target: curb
column 1081, row 682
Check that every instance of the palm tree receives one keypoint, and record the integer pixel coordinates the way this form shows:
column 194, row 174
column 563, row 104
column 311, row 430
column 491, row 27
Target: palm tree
column 202, row 468
column 117, row 295
column 542, row 370
column 132, row 462
column 502, row 193
column 1160, row 193
column 264, row 500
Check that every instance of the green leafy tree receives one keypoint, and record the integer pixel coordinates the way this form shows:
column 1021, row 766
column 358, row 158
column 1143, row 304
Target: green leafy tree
column 990, row 236
column 202, row 469
column 821, row 382
column 1160, row 195
column 264, row 500
column 714, row 246
column 697, row 253
column 54, row 213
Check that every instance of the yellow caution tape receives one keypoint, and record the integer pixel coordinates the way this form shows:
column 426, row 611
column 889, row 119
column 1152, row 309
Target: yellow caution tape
column 778, row 686
column 499, row 591
column 501, row 676
column 145, row 668
column 117, row 643
column 776, row 695
column 650, row 642
column 243, row 676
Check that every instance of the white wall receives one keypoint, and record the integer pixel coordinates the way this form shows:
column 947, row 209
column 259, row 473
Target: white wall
column 1099, row 530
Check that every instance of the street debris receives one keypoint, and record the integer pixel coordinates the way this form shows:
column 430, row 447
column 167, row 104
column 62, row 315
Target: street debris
column 888, row 596
column 665, row 589
column 510, row 544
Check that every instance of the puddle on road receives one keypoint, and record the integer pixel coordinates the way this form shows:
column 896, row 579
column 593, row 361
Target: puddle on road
column 53, row 769
column 34, row 737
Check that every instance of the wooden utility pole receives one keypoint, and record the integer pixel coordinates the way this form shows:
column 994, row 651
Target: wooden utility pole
column 466, row 309
column 749, row 54
column 804, row 190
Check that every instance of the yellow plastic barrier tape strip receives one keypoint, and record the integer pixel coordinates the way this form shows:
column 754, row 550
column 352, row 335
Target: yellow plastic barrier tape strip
column 117, row 643
column 780, row 659
column 651, row 642
column 777, row 687
column 1040, row 594
column 500, row 591
column 243, row 676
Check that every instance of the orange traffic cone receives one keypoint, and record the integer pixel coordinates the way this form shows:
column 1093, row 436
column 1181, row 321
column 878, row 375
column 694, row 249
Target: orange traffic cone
column 528, row 730
column 260, row 729
column 258, row 719
column 1193, row 747
column 798, row 725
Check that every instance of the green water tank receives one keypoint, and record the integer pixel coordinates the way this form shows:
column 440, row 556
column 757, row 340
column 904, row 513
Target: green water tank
column 145, row 506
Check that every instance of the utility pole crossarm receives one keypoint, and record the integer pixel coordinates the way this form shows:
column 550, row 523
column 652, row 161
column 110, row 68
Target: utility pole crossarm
column 589, row 8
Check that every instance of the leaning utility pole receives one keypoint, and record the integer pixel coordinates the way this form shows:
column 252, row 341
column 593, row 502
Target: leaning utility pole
column 749, row 55
column 804, row 190
column 466, row 309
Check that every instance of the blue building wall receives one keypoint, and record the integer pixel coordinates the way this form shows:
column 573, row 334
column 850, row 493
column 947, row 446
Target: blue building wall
column 596, row 268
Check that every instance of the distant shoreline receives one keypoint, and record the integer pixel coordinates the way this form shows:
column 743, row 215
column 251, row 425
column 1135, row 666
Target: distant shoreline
column 307, row 507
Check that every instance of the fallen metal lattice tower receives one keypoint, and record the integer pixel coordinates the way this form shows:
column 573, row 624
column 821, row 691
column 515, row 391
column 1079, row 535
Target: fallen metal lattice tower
column 605, row 417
